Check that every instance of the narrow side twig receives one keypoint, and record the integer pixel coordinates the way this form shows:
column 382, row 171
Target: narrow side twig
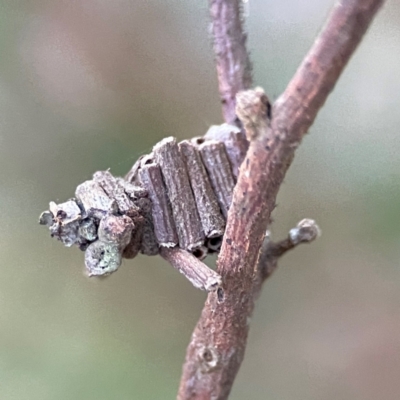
column 231, row 57
column 306, row 231
column 218, row 342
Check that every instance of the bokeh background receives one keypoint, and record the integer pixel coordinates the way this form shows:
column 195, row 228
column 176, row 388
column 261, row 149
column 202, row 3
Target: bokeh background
column 90, row 85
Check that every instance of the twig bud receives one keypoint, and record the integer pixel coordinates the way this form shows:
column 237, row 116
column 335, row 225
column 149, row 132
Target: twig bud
column 306, row 230
column 254, row 110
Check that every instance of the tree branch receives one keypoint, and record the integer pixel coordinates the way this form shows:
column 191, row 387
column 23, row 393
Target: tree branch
column 231, row 57
column 218, row 342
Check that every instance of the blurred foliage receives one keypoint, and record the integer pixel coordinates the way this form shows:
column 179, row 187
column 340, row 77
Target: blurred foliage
column 92, row 85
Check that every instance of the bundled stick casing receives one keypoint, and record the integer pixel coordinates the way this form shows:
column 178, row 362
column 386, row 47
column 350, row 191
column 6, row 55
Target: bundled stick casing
column 193, row 269
column 134, row 246
column 187, row 220
column 149, row 245
column 207, row 204
column 164, row 226
column 115, row 190
column 94, row 200
column 236, row 144
column 219, row 170
column 176, row 198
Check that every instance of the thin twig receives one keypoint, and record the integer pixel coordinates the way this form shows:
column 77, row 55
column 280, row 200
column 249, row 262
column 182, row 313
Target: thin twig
column 218, row 342
column 231, row 57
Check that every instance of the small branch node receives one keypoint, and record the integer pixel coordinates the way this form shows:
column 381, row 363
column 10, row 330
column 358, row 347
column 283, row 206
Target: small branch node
column 208, row 358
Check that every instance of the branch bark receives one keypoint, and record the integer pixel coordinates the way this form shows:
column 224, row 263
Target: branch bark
column 218, row 342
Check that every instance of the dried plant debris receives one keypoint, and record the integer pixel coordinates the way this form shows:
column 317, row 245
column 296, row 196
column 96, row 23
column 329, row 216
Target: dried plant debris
column 100, row 220
column 176, row 197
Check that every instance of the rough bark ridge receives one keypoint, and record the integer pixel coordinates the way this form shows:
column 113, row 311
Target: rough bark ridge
column 218, row 342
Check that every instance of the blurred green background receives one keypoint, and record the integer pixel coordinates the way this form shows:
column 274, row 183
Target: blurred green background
column 91, row 85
